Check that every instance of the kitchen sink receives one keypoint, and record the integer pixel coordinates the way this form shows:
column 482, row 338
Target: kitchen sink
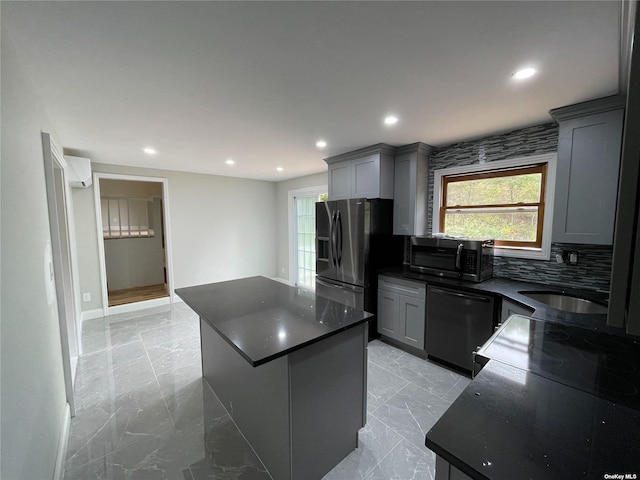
column 566, row 302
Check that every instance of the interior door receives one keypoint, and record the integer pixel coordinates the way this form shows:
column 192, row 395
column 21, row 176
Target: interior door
column 350, row 241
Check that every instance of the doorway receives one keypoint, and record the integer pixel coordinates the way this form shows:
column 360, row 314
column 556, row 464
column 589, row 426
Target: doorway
column 135, row 254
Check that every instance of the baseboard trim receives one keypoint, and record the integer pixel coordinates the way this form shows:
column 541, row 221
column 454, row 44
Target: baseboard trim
column 283, row 280
column 63, row 442
column 133, row 307
column 91, row 314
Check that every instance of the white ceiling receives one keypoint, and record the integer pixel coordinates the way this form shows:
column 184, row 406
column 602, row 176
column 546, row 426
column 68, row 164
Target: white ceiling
column 261, row 82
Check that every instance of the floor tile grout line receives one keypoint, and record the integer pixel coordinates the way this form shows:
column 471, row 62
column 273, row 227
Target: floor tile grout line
column 419, row 447
column 164, row 400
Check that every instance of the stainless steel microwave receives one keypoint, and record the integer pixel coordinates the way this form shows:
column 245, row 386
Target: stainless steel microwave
column 451, row 257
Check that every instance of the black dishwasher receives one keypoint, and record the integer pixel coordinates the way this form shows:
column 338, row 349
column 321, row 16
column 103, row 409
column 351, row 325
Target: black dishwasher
column 457, row 323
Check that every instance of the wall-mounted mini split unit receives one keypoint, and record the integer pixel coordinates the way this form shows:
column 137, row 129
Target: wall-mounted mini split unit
column 79, row 171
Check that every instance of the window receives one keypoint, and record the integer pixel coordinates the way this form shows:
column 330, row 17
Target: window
column 507, row 201
column 303, row 227
column 125, row 218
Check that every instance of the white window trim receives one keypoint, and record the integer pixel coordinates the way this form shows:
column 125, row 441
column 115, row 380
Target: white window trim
column 544, row 252
column 302, row 192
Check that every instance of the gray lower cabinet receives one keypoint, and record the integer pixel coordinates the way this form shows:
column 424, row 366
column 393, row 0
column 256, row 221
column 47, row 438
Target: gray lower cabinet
column 589, row 146
column 401, row 310
column 510, row 308
column 410, row 189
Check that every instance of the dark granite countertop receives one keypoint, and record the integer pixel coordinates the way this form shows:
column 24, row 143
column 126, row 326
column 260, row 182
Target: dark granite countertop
column 510, row 289
column 552, row 401
column 264, row 319
column 513, row 424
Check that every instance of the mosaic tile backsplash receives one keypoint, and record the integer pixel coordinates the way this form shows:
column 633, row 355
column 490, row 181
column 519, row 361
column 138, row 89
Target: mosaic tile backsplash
column 593, row 271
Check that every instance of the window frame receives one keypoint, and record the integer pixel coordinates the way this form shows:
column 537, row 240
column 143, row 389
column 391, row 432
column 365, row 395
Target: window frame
column 541, row 252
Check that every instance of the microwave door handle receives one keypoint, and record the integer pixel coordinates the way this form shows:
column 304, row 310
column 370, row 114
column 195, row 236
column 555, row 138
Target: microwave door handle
column 459, row 257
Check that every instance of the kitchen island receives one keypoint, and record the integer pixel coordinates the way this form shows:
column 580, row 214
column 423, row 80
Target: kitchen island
column 290, row 367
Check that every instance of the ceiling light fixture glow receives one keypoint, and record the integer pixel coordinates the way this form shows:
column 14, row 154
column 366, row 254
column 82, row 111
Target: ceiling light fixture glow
column 390, row 120
column 279, row 169
column 524, row 73
column 229, row 162
column 149, row 151
column 321, row 144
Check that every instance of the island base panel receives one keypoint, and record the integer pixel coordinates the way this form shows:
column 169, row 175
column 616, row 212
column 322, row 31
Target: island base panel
column 327, row 381
column 301, row 412
column 257, row 398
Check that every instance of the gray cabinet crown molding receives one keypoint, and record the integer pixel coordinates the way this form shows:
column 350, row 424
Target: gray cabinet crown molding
column 381, row 148
column 599, row 105
column 421, row 148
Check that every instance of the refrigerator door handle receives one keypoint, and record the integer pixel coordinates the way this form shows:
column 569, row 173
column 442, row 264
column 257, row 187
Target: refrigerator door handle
column 333, row 238
column 339, row 238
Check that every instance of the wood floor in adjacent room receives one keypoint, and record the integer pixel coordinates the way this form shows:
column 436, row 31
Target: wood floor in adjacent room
column 137, row 294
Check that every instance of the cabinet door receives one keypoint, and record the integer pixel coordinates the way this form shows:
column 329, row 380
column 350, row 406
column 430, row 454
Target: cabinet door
column 404, row 194
column 587, row 178
column 388, row 314
column 412, row 321
column 340, row 181
column 365, row 181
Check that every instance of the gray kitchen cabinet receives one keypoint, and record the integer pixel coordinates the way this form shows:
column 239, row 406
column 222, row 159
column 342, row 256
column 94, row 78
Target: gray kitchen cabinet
column 364, row 173
column 401, row 310
column 340, row 181
column 589, row 146
column 410, row 189
column 511, row 308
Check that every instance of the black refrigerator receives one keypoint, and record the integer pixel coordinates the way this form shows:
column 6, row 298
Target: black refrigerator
column 354, row 239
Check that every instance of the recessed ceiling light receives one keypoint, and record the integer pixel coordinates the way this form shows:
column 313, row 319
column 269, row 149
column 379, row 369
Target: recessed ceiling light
column 390, row 120
column 229, row 162
column 279, row 169
column 149, row 151
column 321, row 144
column 524, row 73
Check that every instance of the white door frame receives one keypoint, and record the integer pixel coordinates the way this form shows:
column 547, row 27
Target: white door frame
column 130, row 307
column 293, row 242
column 64, row 256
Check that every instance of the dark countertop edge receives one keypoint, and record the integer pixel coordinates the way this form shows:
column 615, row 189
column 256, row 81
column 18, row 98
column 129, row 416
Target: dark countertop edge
column 451, row 459
column 269, row 358
column 509, row 289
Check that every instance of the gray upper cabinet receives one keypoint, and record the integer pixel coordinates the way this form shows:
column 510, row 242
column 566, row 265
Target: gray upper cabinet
column 364, row 173
column 410, row 189
column 589, row 146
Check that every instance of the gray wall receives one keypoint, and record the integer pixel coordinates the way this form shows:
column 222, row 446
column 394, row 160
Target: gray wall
column 33, row 391
column 282, row 209
column 594, row 268
column 135, row 262
column 221, row 227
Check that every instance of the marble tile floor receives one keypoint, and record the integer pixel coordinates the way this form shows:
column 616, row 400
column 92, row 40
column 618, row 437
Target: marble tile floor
column 144, row 412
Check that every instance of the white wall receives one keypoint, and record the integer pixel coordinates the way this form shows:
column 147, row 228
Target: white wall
column 136, row 262
column 33, row 395
column 221, row 227
column 282, row 206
